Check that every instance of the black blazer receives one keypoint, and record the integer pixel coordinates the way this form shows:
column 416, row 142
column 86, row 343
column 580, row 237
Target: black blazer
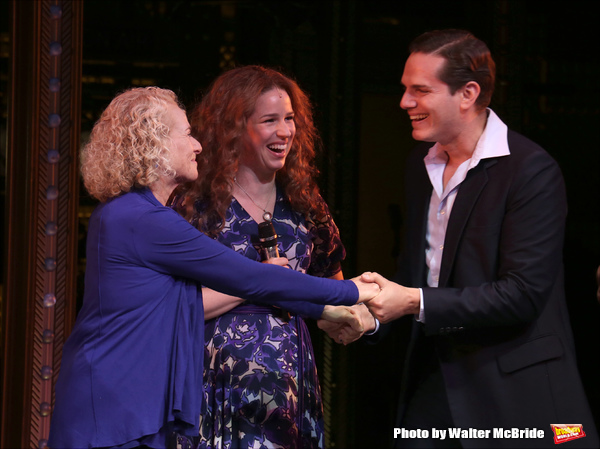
column 498, row 321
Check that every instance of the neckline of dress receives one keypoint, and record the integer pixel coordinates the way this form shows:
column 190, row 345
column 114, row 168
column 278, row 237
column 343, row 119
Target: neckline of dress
column 278, row 198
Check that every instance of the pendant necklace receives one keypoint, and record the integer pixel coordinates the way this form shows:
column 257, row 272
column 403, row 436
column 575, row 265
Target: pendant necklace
column 267, row 216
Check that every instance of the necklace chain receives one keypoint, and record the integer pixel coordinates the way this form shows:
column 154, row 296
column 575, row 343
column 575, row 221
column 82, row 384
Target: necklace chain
column 267, row 216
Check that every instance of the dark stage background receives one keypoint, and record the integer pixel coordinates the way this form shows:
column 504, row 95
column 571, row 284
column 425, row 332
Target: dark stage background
column 348, row 55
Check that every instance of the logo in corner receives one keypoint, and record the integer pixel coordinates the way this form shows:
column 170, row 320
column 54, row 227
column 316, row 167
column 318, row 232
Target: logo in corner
column 567, row 432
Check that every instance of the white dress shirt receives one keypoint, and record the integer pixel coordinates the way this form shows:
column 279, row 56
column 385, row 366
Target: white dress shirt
column 493, row 142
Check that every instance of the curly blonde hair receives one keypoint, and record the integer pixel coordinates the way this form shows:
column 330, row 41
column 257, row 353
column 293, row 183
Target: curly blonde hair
column 220, row 121
column 129, row 144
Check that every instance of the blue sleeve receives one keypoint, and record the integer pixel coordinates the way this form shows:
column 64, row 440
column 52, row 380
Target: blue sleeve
column 327, row 254
column 302, row 308
column 167, row 243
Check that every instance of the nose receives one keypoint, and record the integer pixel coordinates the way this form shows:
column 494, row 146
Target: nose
column 284, row 129
column 407, row 101
column 196, row 146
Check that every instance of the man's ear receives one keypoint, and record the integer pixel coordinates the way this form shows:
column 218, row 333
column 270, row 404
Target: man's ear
column 470, row 93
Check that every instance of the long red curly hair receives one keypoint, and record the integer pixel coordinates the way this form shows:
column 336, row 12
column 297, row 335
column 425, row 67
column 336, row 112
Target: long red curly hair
column 219, row 122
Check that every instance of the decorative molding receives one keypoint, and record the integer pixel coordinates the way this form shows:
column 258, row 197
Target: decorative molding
column 42, row 204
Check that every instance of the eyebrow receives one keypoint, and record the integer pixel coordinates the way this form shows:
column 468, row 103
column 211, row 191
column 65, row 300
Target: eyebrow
column 415, row 86
column 275, row 114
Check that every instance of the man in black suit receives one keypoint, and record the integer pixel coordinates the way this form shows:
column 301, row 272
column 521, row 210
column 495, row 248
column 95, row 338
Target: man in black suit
column 491, row 346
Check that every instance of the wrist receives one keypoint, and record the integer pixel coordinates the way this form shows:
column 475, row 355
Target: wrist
column 415, row 301
column 373, row 323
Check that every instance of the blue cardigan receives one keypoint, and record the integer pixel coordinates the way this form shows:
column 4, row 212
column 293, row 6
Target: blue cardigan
column 132, row 367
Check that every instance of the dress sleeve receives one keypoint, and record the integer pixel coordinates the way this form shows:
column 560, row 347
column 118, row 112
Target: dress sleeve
column 167, row 243
column 326, row 257
column 328, row 250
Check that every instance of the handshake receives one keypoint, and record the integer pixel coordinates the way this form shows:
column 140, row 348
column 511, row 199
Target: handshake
column 379, row 299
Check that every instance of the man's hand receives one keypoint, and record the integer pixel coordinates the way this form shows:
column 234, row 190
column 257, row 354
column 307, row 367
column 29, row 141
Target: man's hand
column 394, row 301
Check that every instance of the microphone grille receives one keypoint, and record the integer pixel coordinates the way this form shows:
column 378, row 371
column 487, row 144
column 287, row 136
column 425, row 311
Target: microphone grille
column 266, row 231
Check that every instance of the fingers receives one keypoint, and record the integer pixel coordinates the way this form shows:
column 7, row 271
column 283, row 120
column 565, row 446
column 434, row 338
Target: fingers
column 366, row 317
column 343, row 324
column 331, row 329
column 353, row 321
column 347, row 336
column 382, row 306
column 357, row 326
column 366, row 290
column 281, row 261
column 374, row 277
column 394, row 302
column 342, row 315
column 338, row 314
column 325, row 325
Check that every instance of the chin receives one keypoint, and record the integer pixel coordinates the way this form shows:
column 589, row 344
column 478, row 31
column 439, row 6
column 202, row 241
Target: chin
column 418, row 136
column 187, row 178
column 276, row 168
column 423, row 137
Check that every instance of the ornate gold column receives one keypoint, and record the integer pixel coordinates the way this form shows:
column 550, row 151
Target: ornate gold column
column 41, row 204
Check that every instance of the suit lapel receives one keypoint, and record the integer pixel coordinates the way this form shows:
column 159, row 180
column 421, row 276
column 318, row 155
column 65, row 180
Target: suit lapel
column 421, row 215
column 466, row 198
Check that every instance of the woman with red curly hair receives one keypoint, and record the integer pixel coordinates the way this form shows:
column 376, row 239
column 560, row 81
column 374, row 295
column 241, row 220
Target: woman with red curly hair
column 258, row 165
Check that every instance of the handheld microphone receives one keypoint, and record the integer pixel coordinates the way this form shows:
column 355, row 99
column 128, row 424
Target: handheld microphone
column 268, row 240
column 268, row 249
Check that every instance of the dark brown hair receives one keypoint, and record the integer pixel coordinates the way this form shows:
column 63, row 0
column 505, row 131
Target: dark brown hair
column 467, row 59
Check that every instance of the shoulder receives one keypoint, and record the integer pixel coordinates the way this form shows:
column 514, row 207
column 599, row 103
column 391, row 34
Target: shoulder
column 137, row 210
column 523, row 146
column 120, row 209
column 126, row 207
column 526, row 156
column 321, row 203
column 320, row 214
column 528, row 170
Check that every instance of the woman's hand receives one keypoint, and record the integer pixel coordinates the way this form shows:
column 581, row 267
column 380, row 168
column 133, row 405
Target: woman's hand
column 337, row 318
column 359, row 321
column 367, row 287
column 342, row 315
column 281, row 261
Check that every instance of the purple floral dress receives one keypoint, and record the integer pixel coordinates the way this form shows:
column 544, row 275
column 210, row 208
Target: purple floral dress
column 261, row 388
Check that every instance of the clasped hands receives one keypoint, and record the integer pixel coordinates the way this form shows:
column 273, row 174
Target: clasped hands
column 377, row 298
column 388, row 302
